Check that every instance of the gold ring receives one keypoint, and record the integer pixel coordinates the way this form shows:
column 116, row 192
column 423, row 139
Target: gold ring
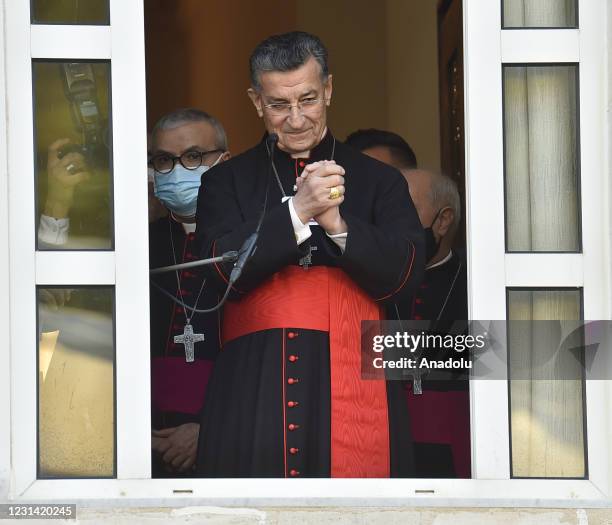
column 334, row 193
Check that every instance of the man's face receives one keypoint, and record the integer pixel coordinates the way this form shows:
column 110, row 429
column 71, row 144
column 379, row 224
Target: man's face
column 381, row 153
column 191, row 136
column 298, row 130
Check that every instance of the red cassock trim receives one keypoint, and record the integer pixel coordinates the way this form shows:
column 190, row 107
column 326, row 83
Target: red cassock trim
column 326, row 299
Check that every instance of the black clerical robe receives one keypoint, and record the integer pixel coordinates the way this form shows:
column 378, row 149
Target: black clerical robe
column 271, row 406
column 441, row 414
column 178, row 388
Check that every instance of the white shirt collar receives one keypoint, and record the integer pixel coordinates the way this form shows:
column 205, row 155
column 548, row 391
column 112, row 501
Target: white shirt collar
column 443, row 261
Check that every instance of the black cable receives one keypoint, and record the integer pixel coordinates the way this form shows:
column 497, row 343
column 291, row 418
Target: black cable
column 248, row 247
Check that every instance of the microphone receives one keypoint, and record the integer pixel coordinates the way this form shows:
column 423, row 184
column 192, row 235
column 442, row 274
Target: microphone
column 246, row 251
column 248, row 248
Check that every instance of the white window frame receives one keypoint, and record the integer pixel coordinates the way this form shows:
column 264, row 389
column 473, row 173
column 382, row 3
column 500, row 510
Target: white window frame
column 491, row 270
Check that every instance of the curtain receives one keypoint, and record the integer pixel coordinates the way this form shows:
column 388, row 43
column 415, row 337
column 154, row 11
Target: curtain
column 542, row 214
column 541, row 159
column 546, row 396
column 539, row 13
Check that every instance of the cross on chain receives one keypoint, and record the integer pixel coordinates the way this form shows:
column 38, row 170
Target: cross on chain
column 306, row 261
column 189, row 339
column 416, row 373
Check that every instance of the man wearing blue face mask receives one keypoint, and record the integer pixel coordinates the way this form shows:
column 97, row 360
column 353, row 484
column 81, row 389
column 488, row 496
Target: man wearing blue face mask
column 184, row 145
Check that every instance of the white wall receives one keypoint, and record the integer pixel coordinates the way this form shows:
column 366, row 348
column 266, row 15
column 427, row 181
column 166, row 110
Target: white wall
column 412, row 77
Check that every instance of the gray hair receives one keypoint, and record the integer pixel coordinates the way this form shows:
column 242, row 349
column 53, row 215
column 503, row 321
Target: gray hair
column 444, row 193
column 287, row 52
column 186, row 115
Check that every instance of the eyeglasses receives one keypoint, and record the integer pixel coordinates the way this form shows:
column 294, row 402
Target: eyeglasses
column 191, row 160
column 303, row 106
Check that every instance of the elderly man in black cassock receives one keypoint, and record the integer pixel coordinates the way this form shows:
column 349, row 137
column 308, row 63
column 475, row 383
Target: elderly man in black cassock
column 442, row 437
column 339, row 238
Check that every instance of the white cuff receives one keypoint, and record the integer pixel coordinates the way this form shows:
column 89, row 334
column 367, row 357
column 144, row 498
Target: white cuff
column 339, row 239
column 302, row 231
column 52, row 230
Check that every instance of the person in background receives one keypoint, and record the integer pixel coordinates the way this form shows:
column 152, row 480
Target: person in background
column 443, row 293
column 441, row 412
column 185, row 144
column 386, row 146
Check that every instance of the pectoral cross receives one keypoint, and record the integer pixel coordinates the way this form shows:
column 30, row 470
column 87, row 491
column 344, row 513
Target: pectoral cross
column 306, row 261
column 189, row 339
column 417, row 385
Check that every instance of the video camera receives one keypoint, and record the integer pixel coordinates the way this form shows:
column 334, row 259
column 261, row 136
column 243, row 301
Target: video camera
column 80, row 89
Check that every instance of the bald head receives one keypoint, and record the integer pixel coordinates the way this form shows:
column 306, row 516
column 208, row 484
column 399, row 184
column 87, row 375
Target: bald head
column 432, row 192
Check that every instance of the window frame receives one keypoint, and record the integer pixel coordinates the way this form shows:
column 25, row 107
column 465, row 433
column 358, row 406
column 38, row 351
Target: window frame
column 490, row 271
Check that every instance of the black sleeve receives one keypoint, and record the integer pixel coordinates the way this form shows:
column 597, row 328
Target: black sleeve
column 224, row 224
column 386, row 257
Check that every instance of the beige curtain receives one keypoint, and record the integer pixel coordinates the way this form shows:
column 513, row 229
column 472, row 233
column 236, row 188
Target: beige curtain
column 541, row 158
column 539, row 13
column 542, row 215
column 546, row 409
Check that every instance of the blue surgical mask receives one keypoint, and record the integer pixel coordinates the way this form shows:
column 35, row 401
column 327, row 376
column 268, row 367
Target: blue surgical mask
column 178, row 190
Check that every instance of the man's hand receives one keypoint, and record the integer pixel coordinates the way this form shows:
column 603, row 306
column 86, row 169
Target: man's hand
column 177, row 446
column 313, row 188
column 63, row 176
column 329, row 219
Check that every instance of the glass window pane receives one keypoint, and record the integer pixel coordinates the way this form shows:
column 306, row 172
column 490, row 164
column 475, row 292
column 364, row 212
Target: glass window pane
column 70, row 12
column 73, row 155
column 540, row 13
column 547, row 417
column 541, row 159
column 76, row 385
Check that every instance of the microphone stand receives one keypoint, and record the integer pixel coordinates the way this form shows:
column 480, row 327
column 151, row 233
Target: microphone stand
column 231, row 256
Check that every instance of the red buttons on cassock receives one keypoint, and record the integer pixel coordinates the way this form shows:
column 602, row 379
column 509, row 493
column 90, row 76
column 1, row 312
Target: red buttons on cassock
column 292, row 404
column 294, row 472
column 293, row 380
column 293, row 358
column 302, row 164
column 418, row 300
column 292, row 335
column 293, row 450
column 418, row 317
column 293, row 427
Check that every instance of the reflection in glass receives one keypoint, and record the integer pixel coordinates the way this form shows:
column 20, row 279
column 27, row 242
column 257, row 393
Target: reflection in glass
column 70, row 12
column 73, row 155
column 76, row 387
column 547, row 415
column 540, row 13
column 541, row 158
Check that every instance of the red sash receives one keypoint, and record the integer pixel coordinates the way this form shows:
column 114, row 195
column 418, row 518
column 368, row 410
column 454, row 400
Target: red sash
column 326, row 299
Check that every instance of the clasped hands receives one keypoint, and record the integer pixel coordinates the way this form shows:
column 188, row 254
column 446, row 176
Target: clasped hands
column 177, row 446
column 313, row 199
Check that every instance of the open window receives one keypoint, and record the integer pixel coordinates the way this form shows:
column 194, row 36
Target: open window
column 531, row 71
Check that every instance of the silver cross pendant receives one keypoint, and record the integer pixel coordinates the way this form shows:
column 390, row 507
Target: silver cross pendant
column 189, row 339
column 306, row 261
column 417, row 385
